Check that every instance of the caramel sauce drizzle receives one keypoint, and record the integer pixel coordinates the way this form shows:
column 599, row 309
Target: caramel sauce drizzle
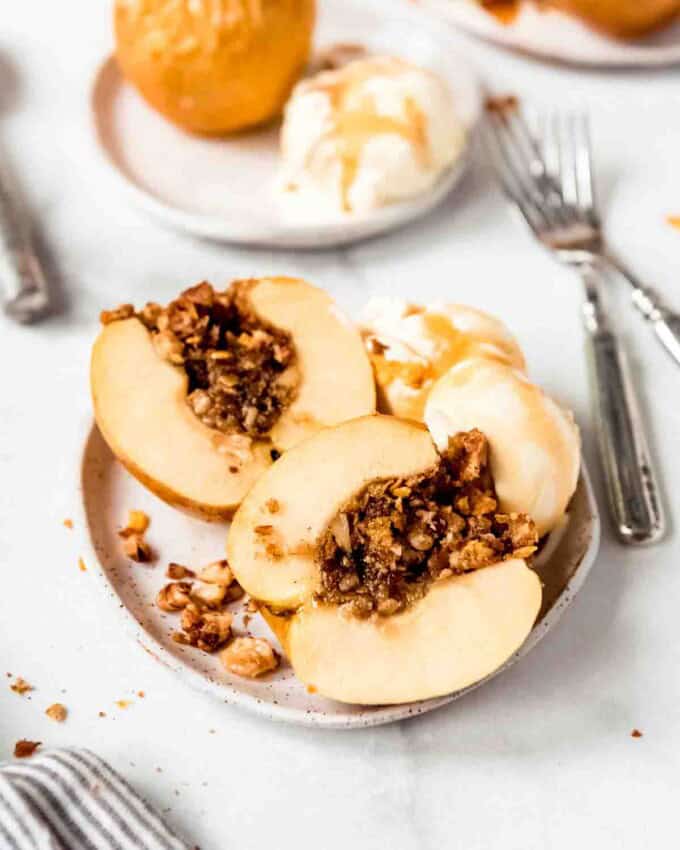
column 355, row 123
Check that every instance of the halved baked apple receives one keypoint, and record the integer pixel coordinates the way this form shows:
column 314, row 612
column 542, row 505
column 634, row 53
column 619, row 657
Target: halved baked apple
column 196, row 399
column 384, row 567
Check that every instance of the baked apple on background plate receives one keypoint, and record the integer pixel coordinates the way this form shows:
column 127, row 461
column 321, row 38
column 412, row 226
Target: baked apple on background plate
column 612, row 33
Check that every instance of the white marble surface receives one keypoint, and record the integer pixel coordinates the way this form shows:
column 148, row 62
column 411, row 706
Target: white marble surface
column 540, row 758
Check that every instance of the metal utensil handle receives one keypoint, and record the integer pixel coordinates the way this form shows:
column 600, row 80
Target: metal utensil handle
column 665, row 322
column 21, row 274
column 632, row 483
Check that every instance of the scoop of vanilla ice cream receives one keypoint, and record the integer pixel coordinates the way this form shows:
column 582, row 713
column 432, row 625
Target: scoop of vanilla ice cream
column 375, row 131
column 535, row 447
column 411, row 346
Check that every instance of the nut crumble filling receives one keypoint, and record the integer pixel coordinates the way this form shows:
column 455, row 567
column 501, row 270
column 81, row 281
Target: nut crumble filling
column 397, row 536
column 242, row 371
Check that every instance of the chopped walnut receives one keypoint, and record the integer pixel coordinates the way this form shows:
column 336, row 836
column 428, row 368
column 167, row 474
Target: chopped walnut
column 218, row 572
column 57, row 712
column 20, row 686
column 177, row 571
column 207, row 630
column 210, row 595
column 135, row 547
column 174, row 596
column 138, row 521
column 249, row 657
column 234, row 592
column 24, row 749
column 125, row 311
column 273, row 506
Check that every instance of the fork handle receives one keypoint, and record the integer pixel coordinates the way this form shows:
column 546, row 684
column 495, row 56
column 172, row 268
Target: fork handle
column 665, row 322
column 632, row 482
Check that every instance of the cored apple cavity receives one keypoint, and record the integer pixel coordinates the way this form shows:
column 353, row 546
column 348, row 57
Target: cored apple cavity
column 394, row 538
column 199, row 398
column 242, row 371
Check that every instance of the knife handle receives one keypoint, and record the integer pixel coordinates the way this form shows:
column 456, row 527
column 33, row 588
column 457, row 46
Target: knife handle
column 22, row 277
column 631, row 479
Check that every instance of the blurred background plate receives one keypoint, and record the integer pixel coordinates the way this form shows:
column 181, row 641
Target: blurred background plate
column 108, row 492
column 223, row 188
column 559, row 37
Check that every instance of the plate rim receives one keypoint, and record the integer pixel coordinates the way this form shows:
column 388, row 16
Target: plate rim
column 309, row 236
column 274, row 711
column 465, row 19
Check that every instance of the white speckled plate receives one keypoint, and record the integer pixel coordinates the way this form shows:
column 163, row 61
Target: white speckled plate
column 223, row 189
column 108, row 492
column 559, row 37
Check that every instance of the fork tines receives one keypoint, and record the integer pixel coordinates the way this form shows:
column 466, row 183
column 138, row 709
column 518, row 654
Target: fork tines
column 544, row 166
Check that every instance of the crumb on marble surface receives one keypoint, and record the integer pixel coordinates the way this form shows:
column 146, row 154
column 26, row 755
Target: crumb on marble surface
column 24, row 749
column 56, row 712
column 21, row 686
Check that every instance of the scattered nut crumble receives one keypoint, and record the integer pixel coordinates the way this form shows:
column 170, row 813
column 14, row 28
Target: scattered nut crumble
column 134, row 544
column 135, row 547
column 57, row 712
column 138, row 521
column 206, row 630
column 218, row 572
column 24, row 749
column 210, row 595
column 101, row 714
column 273, row 506
column 20, row 686
column 249, row 657
column 174, row 596
column 68, row 523
column 81, row 565
column 123, row 703
column 141, row 694
column 674, row 221
column 234, row 592
column 177, row 571
column 636, row 733
column 396, row 537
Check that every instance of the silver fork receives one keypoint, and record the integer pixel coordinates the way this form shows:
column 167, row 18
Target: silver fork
column 547, row 173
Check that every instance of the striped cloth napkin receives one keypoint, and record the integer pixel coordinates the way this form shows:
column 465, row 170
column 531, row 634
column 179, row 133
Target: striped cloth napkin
column 71, row 799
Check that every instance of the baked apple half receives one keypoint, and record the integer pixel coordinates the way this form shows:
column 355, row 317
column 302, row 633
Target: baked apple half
column 198, row 398
column 384, row 567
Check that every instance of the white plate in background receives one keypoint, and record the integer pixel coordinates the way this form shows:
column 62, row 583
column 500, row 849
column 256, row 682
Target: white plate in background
column 553, row 35
column 223, row 189
column 108, row 492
